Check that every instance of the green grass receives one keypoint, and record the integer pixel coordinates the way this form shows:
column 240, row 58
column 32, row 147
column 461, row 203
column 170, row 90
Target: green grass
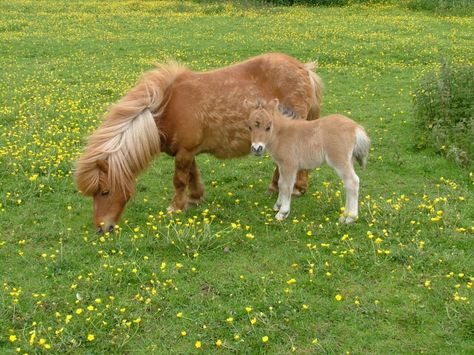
column 404, row 271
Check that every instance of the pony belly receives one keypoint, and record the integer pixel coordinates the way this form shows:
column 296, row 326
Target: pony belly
column 310, row 166
column 225, row 141
column 230, row 152
column 311, row 160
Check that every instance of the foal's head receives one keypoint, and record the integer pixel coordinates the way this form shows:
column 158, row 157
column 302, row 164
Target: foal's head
column 260, row 123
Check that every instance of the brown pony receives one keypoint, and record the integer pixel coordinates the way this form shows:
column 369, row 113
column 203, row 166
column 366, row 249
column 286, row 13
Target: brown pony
column 298, row 144
column 185, row 113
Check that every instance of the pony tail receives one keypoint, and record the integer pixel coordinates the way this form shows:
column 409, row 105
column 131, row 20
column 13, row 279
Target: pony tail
column 317, row 84
column 362, row 146
column 128, row 137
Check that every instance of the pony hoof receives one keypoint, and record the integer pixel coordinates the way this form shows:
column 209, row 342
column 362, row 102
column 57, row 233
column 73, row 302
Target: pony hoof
column 195, row 201
column 347, row 219
column 172, row 209
column 297, row 193
column 271, row 190
column 280, row 216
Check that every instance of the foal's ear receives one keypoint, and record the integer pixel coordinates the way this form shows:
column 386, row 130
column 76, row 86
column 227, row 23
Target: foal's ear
column 103, row 165
column 273, row 104
column 249, row 104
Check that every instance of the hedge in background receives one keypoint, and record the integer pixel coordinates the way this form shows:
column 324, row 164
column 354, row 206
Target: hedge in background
column 440, row 5
column 444, row 112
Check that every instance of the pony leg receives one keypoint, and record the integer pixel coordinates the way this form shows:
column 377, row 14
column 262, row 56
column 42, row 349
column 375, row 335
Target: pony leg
column 301, row 184
column 273, row 187
column 196, row 188
column 300, row 187
column 351, row 184
column 183, row 163
column 285, row 186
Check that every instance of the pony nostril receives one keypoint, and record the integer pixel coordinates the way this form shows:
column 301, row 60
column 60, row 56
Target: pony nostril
column 110, row 229
column 100, row 230
column 259, row 149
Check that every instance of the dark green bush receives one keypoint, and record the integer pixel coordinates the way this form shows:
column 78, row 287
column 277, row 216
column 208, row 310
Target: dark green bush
column 444, row 112
column 440, row 5
column 308, row 2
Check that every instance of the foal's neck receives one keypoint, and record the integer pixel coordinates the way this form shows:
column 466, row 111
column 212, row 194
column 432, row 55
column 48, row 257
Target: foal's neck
column 280, row 124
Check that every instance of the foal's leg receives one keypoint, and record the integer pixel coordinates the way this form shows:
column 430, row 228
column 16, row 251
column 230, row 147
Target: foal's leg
column 285, row 186
column 196, row 188
column 351, row 183
column 183, row 162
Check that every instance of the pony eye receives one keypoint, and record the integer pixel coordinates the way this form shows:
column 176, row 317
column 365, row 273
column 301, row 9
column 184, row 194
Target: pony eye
column 104, row 192
column 267, row 129
column 250, row 128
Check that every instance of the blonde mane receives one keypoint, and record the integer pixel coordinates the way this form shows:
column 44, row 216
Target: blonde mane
column 128, row 138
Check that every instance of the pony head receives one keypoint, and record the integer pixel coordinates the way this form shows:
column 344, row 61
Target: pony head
column 109, row 198
column 260, row 123
column 109, row 201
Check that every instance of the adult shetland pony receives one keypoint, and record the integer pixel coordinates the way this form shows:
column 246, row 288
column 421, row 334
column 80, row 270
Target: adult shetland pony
column 185, row 113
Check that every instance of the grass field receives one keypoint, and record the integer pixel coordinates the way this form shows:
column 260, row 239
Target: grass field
column 226, row 276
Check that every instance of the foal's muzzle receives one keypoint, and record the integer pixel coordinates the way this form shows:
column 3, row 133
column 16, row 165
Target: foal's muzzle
column 257, row 148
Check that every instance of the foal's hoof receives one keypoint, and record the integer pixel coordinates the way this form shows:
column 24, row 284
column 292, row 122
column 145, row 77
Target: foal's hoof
column 280, row 216
column 347, row 219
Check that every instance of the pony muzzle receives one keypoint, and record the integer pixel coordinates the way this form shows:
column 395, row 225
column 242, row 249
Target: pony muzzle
column 105, row 228
column 257, row 148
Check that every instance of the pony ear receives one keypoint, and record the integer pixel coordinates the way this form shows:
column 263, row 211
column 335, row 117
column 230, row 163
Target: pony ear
column 103, row 165
column 273, row 104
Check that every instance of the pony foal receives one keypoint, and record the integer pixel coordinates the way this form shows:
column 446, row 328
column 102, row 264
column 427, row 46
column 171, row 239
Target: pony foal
column 299, row 144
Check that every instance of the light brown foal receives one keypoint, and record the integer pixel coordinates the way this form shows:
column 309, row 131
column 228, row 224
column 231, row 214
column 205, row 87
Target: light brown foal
column 296, row 144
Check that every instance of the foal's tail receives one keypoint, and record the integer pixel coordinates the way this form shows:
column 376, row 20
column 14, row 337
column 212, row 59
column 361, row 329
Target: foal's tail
column 128, row 137
column 317, row 84
column 362, row 146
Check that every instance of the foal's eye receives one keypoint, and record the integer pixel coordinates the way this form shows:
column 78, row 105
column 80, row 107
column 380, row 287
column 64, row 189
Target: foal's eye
column 104, row 192
column 250, row 128
column 267, row 129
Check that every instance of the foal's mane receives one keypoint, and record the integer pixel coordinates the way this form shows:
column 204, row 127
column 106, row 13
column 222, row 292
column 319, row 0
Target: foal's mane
column 128, row 137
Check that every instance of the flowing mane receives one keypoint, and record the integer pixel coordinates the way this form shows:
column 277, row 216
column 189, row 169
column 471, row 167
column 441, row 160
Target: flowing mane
column 128, row 138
